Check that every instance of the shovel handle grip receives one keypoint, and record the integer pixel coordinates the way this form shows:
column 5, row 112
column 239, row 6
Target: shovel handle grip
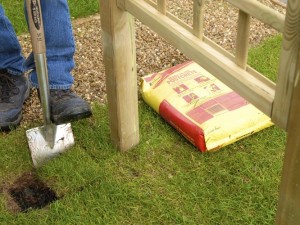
column 36, row 27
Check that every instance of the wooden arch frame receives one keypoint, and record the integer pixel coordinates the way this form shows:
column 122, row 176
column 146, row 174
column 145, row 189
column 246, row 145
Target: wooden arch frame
column 281, row 101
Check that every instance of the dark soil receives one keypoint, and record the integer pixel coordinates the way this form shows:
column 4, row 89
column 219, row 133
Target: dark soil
column 31, row 193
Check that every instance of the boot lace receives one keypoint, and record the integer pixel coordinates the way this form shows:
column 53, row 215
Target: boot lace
column 8, row 87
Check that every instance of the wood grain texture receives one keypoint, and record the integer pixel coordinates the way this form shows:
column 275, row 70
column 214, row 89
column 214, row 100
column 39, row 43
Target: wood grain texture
column 242, row 42
column 287, row 111
column 289, row 198
column 288, row 66
column 198, row 18
column 162, row 6
column 121, row 78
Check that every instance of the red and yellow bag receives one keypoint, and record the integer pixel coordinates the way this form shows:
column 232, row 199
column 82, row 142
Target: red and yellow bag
column 203, row 109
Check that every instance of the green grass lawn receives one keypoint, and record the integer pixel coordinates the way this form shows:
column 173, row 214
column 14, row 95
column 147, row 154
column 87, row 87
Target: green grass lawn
column 164, row 180
column 15, row 12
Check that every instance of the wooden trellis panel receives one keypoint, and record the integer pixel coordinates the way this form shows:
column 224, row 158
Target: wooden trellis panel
column 255, row 88
column 280, row 101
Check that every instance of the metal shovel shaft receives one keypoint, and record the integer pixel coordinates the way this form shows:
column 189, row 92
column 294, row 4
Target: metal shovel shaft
column 42, row 74
column 49, row 129
column 36, row 27
column 49, row 140
column 37, row 34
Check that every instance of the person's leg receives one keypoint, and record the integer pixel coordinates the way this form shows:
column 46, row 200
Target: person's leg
column 60, row 45
column 11, row 58
column 14, row 86
column 65, row 105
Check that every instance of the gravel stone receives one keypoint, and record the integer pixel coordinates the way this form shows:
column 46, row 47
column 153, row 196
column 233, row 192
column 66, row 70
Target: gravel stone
column 153, row 52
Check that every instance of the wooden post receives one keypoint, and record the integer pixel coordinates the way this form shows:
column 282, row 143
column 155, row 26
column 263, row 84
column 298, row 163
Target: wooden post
column 289, row 200
column 288, row 212
column 242, row 43
column 198, row 18
column 288, row 65
column 120, row 68
column 162, row 6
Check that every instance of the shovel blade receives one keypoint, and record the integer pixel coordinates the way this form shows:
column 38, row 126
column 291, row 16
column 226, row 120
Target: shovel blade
column 41, row 150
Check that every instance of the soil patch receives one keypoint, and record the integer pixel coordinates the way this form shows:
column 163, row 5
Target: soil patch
column 29, row 192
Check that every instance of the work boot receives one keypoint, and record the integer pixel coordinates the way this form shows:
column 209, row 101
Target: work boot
column 14, row 90
column 66, row 106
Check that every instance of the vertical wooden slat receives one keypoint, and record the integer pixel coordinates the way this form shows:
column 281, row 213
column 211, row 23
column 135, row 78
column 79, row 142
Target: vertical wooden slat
column 198, row 18
column 288, row 70
column 162, row 6
column 289, row 200
column 120, row 68
column 242, row 42
column 261, row 11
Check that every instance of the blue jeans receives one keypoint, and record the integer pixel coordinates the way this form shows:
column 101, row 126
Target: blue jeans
column 59, row 42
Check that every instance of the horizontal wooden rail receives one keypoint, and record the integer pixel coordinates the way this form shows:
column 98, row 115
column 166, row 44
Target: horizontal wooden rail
column 258, row 91
column 191, row 30
column 261, row 12
column 278, row 2
column 256, row 9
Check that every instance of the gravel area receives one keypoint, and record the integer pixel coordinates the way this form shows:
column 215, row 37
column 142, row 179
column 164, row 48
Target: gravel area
column 153, row 53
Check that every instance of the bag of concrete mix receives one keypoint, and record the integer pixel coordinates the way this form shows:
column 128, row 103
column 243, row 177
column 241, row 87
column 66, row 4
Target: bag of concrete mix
column 204, row 110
